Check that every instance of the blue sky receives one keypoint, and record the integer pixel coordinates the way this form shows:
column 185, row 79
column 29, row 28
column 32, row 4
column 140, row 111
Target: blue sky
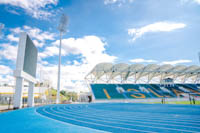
column 118, row 31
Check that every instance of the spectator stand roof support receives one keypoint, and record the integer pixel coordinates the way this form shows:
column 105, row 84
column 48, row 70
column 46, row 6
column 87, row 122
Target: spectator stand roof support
column 139, row 73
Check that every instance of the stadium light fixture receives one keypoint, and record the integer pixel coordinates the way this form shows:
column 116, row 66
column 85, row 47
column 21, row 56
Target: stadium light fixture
column 62, row 29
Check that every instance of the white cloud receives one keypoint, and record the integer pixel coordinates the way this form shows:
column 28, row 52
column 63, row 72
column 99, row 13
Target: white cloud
column 71, row 75
column 37, row 43
column 90, row 49
column 11, row 37
column 193, row 1
column 50, row 51
column 35, row 8
column 16, row 30
column 142, row 60
column 13, row 11
column 5, row 70
column 197, row 1
column 5, row 75
column 176, row 62
column 7, row 79
column 118, row 2
column 109, row 1
column 8, row 51
column 38, row 36
column 155, row 27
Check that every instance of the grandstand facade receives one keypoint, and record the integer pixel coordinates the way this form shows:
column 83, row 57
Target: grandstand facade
column 137, row 81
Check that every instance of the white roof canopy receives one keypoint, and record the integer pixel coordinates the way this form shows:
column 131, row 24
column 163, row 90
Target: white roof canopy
column 139, row 73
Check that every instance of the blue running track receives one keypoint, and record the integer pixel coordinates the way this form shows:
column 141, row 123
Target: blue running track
column 103, row 117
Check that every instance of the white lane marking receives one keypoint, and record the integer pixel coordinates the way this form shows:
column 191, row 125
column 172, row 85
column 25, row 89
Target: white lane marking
column 137, row 112
column 144, row 113
column 148, row 115
column 69, row 123
column 51, row 108
column 148, row 118
column 96, row 123
column 111, row 118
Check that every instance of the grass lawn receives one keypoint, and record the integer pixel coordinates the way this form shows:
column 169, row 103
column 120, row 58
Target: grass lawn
column 176, row 102
column 183, row 102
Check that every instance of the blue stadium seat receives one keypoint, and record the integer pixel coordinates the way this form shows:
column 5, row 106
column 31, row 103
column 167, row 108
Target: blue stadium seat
column 163, row 90
column 134, row 91
column 142, row 91
column 192, row 88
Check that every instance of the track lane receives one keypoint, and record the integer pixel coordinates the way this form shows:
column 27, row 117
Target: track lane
column 118, row 121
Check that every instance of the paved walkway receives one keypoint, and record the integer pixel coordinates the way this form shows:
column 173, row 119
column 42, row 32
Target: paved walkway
column 4, row 107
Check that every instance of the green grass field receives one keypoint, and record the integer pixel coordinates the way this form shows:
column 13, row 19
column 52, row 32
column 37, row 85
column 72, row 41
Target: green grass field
column 176, row 102
column 183, row 102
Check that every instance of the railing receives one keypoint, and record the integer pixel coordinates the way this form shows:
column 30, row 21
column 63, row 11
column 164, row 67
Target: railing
column 6, row 102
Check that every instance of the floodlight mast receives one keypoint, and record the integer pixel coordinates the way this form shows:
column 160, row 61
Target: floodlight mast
column 62, row 28
column 1, row 28
column 199, row 56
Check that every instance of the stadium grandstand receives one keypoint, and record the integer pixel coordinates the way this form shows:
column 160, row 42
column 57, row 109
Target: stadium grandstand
column 137, row 81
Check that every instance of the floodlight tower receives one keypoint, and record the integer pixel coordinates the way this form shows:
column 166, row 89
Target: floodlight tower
column 62, row 29
column 1, row 28
column 199, row 56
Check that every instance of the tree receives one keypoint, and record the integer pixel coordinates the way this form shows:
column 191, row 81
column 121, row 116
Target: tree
column 64, row 93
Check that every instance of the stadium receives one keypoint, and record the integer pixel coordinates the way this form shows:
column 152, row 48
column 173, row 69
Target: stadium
column 120, row 66
column 123, row 98
column 136, row 81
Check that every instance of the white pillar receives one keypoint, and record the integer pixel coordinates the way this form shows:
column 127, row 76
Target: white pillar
column 31, row 94
column 18, row 92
